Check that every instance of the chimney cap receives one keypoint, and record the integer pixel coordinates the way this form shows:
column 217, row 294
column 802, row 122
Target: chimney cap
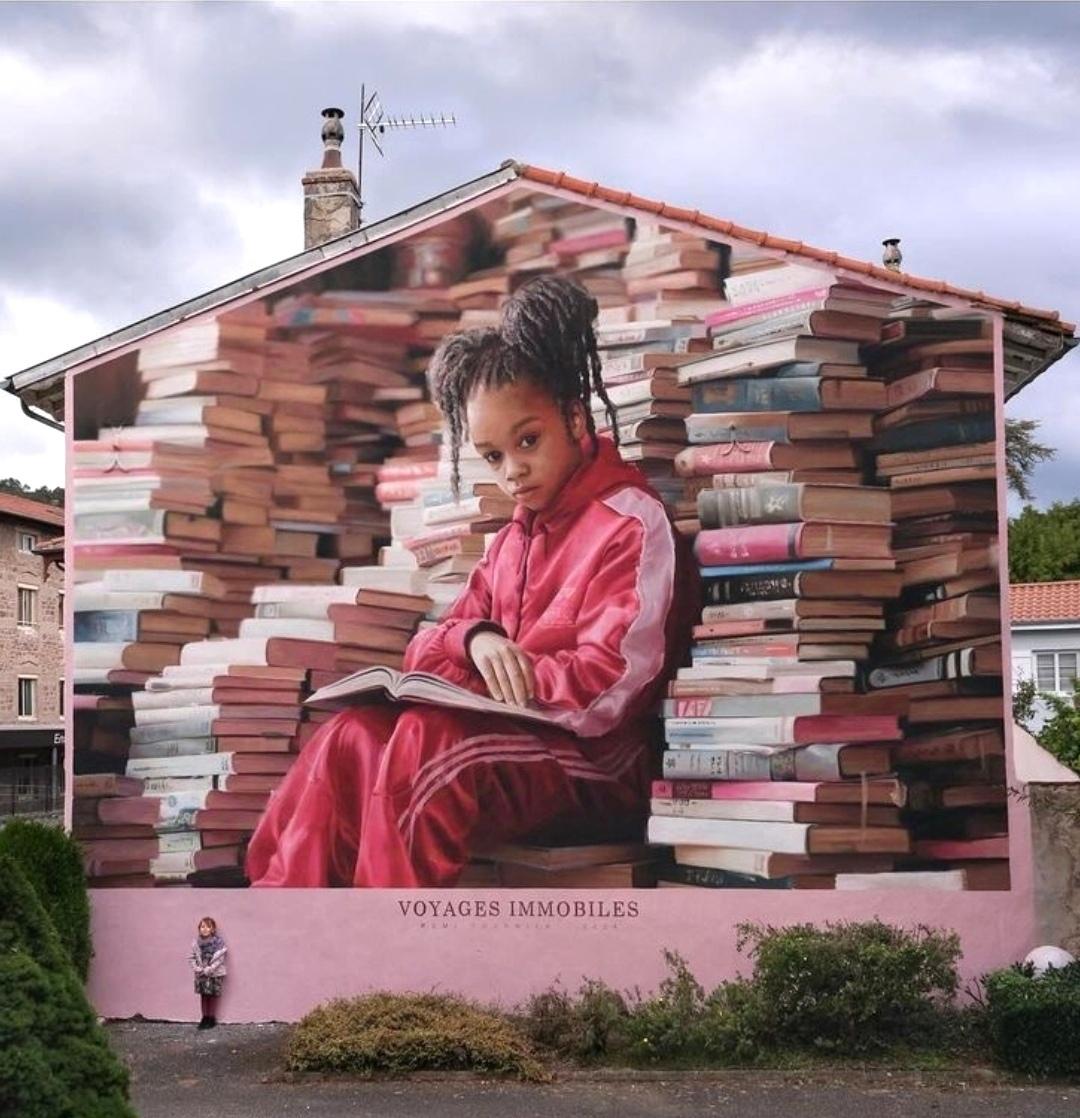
column 892, row 257
column 333, row 136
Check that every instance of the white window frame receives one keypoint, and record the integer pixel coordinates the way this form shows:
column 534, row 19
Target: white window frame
column 1056, row 653
column 33, row 681
column 22, row 535
column 34, row 611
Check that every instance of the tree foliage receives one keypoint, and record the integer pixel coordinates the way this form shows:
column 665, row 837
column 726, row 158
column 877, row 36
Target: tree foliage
column 43, row 493
column 1045, row 546
column 1022, row 454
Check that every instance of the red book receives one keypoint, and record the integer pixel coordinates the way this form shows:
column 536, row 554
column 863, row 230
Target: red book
column 770, row 543
column 741, row 458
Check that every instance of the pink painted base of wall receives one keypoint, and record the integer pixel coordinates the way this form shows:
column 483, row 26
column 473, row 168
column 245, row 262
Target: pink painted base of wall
column 291, row 949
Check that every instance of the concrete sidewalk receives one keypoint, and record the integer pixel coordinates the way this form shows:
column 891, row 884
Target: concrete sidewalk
column 235, row 1071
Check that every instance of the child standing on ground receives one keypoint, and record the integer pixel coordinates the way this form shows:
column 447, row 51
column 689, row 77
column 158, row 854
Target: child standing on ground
column 208, row 963
column 582, row 606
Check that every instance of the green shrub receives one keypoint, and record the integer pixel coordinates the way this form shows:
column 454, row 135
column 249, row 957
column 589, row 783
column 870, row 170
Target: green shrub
column 1035, row 1021
column 668, row 1026
column 586, row 1028
column 400, row 1033
column 55, row 1061
column 53, row 864
column 850, row 987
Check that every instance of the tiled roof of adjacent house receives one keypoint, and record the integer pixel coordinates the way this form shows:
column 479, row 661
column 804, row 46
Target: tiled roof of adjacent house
column 563, row 181
column 1045, row 601
column 25, row 509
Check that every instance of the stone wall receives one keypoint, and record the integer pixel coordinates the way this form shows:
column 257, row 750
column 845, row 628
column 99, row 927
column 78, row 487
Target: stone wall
column 36, row 650
column 1055, row 826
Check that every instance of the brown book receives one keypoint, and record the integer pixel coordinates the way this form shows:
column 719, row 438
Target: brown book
column 227, row 726
column 376, row 637
column 944, row 499
column 940, row 381
column 982, row 471
column 957, row 708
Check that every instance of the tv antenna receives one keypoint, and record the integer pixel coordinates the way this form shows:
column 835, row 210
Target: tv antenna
column 374, row 123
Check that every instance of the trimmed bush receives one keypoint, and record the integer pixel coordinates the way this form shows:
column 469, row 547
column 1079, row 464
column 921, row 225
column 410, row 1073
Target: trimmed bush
column 588, row 1027
column 55, row 1061
column 53, row 864
column 850, row 987
column 1035, row 1021
column 399, row 1033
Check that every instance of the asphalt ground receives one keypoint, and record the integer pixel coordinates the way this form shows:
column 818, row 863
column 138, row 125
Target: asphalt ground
column 236, row 1071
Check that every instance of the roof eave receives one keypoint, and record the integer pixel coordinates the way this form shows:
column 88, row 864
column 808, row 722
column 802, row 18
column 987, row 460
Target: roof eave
column 34, row 379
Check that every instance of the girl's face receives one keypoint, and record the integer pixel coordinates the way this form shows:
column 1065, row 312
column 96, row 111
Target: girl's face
column 206, row 929
column 521, row 433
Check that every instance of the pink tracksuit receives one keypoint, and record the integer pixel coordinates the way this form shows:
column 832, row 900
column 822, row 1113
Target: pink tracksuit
column 601, row 592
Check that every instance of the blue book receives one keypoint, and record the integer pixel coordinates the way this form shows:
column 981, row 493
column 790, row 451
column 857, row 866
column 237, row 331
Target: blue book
column 769, row 568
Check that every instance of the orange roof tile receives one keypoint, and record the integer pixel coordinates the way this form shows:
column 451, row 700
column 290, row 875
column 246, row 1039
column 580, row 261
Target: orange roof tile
column 25, row 509
column 1045, row 601
column 561, row 180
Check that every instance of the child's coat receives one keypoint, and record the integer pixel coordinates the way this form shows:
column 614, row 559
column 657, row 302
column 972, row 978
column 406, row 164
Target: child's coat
column 601, row 592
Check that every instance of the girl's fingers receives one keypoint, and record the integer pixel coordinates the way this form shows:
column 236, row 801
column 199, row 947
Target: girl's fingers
column 498, row 668
column 490, row 679
column 527, row 670
column 515, row 676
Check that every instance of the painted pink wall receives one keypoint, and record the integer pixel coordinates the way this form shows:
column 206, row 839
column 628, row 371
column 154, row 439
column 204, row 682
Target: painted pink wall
column 290, row 949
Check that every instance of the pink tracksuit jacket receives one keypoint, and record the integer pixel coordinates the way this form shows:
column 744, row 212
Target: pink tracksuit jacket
column 602, row 593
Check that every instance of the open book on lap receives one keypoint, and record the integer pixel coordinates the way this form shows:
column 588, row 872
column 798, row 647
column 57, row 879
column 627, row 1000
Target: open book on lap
column 418, row 687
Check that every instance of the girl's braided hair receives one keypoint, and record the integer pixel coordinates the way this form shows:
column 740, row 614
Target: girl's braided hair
column 545, row 335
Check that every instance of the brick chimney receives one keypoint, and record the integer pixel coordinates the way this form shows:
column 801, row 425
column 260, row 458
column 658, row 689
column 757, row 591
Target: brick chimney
column 331, row 196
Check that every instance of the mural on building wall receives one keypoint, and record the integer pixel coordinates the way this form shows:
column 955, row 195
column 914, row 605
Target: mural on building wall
column 263, row 508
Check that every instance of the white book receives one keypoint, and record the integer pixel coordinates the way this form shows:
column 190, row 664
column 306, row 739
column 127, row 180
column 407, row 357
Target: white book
column 732, row 731
column 298, row 628
column 311, row 611
column 741, row 834
column 398, row 580
column 250, row 652
column 709, row 667
column 90, row 599
column 90, row 675
column 180, row 725
column 166, row 785
column 173, row 747
column 157, row 716
column 293, row 592
column 164, row 581
column 177, row 697
column 99, row 654
column 209, row 764
column 183, row 676
column 768, row 811
column 794, row 705
column 944, row 880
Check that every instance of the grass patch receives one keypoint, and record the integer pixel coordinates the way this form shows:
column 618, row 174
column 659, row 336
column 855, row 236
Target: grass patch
column 395, row 1034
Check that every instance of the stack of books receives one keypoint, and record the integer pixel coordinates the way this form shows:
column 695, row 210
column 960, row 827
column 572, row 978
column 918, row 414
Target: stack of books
column 797, row 564
column 935, row 448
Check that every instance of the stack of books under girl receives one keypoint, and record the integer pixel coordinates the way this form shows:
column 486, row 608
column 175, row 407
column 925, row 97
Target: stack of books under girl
column 801, row 751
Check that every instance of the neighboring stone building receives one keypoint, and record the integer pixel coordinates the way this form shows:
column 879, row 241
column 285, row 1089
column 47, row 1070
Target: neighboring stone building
column 31, row 659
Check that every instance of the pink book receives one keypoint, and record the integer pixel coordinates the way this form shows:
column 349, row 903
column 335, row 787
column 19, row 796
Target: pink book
column 761, row 543
column 588, row 242
column 404, row 489
column 403, row 471
column 727, row 315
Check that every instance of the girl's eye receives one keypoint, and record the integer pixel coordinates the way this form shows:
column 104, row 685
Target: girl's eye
column 492, row 457
column 529, row 440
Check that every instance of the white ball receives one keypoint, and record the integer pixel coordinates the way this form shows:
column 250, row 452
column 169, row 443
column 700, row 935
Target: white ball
column 1048, row 958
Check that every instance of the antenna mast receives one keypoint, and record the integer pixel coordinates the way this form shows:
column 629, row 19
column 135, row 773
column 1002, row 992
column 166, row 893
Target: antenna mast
column 374, row 123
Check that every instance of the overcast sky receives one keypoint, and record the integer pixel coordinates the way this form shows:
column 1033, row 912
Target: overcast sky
column 151, row 151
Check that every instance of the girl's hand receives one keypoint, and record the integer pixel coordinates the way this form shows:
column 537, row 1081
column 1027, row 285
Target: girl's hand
column 506, row 668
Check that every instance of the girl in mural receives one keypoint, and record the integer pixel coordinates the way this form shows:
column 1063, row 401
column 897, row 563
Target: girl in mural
column 582, row 606
column 208, row 963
